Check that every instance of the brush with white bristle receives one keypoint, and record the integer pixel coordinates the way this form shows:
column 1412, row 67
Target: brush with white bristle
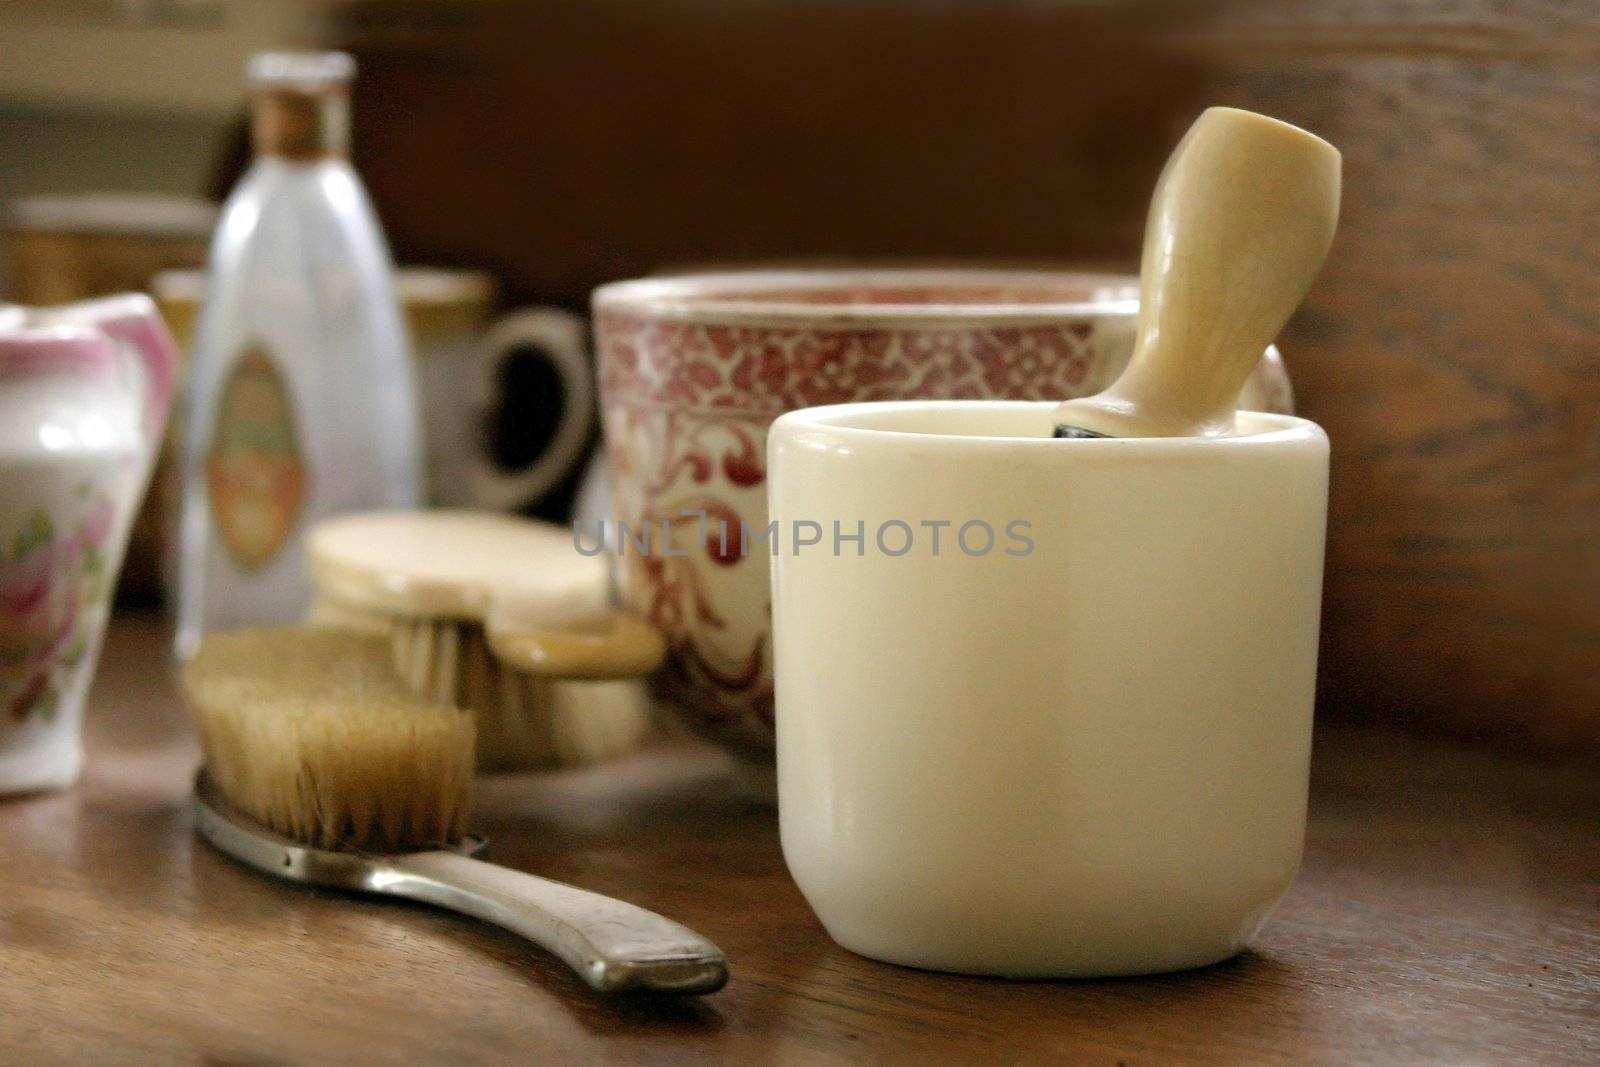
column 322, row 768
column 525, row 721
column 430, row 579
column 311, row 734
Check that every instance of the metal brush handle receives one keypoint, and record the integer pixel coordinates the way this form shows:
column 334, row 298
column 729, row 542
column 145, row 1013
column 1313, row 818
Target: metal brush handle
column 613, row 945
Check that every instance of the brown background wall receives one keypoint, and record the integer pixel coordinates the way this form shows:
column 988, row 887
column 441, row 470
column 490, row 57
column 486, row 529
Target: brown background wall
column 1451, row 348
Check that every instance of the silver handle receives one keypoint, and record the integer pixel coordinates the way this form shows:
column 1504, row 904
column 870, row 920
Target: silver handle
column 614, row 946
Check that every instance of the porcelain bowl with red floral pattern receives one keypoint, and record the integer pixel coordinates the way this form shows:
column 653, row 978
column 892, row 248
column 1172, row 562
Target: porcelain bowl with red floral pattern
column 695, row 367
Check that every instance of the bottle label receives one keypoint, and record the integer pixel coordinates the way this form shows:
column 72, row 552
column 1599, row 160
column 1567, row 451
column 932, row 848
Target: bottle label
column 254, row 473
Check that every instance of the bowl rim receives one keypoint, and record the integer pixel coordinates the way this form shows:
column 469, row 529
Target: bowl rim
column 691, row 297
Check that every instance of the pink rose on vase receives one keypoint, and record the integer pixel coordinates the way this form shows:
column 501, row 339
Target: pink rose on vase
column 98, row 518
column 25, row 585
column 42, row 596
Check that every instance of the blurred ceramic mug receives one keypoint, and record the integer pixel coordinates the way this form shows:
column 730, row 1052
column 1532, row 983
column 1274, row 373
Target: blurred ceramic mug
column 465, row 360
column 1067, row 732
column 695, row 367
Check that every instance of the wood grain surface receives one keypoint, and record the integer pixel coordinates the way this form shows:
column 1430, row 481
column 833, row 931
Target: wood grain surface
column 1446, row 913
column 1451, row 347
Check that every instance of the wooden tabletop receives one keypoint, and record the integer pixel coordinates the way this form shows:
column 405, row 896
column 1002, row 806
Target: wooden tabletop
column 1446, row 912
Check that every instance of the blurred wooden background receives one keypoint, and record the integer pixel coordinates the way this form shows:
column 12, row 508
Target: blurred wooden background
column 1451, row 348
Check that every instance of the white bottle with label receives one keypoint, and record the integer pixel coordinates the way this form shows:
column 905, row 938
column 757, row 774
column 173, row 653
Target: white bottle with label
column 302, row 400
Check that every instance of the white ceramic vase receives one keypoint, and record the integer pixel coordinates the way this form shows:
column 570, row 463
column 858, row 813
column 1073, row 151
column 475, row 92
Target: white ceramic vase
column 84, row 392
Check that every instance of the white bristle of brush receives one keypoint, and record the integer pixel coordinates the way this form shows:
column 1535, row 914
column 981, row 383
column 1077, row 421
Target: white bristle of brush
column 524, row 722
column 309, row 732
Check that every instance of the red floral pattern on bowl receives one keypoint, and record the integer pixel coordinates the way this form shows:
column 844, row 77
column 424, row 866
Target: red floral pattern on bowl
column 693, row 370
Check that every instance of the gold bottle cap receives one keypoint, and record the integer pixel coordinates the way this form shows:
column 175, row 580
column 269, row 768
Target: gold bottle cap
column 301, row 104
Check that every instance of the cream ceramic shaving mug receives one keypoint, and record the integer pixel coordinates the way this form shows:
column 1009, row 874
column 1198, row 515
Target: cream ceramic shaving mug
column 1043, row 706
